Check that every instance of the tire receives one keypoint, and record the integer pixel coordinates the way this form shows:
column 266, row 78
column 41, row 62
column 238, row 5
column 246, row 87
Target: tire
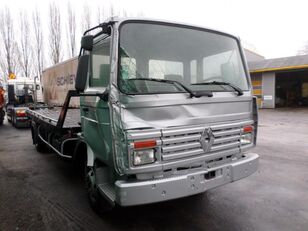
column 97, row 202
column 40, row 146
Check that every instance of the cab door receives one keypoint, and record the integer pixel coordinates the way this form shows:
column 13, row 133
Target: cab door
column 95, row 118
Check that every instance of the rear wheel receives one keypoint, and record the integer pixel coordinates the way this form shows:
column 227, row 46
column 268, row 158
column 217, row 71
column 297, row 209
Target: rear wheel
column 40, row 146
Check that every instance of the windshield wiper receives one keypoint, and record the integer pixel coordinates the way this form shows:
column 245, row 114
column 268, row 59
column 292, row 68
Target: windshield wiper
column 191, row 93
column 236, row 88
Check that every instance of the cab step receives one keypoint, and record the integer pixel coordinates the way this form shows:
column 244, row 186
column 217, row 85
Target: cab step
column 107, row 190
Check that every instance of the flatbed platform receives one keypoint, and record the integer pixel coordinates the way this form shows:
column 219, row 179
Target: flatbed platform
column 51, row 116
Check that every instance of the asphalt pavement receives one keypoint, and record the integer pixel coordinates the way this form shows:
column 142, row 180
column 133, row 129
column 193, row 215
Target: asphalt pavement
column 43, row 192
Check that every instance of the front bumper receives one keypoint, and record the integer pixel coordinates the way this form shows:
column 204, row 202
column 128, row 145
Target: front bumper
column 151, row 191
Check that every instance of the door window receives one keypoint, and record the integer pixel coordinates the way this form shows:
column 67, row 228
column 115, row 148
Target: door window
column 100, row 64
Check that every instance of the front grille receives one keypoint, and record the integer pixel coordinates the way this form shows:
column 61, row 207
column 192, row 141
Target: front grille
column 184, row 142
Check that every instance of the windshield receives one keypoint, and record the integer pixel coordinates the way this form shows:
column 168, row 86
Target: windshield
column 189, row 56
column 24, row 89
column 24, row 93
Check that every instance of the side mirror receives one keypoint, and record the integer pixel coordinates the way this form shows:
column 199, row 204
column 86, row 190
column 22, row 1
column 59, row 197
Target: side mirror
column 37, row 87
column 82, row 73
column 87, row 42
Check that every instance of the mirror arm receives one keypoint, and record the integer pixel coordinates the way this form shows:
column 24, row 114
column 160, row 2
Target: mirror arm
column 104, row 96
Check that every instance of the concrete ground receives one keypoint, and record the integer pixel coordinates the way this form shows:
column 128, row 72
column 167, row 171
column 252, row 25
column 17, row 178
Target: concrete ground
column 42, row 192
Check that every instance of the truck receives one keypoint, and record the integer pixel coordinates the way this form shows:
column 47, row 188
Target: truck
column 22, row 93
column 165, row 111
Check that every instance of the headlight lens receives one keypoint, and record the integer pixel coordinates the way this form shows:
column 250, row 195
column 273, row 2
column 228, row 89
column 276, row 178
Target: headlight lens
column 145, row 156
column 246, row 138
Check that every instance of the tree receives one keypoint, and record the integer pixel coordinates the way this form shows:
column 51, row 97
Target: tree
column 86, row 18
column 8, row 41
column 100, row 15
column 54, row 33
column 111, row 10
column 25, row 47
column 124, row 13
column 71, row 30
column 38, row 41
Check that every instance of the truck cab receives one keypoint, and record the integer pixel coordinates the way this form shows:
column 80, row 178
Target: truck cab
column 166, row 111
column 21, row 93
column 179, row 119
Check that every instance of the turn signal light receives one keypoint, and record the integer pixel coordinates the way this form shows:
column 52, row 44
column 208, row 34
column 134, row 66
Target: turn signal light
column 145, row 144
column 248, row 128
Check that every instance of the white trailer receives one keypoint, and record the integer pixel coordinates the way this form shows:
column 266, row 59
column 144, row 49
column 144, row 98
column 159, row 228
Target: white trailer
column 57, row 81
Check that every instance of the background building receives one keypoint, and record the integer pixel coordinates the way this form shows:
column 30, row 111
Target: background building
column 280, row 82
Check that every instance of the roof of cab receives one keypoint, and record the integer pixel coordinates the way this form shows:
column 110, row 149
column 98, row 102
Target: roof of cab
column 127, row 19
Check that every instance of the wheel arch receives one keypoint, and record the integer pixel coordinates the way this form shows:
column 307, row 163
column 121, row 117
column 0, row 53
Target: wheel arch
column 83, row 150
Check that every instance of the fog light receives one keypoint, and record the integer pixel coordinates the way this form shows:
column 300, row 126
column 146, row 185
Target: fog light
column 145, row 156
column 246, row 138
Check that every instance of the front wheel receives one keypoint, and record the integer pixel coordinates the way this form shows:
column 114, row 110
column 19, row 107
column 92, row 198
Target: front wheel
column 98, row 203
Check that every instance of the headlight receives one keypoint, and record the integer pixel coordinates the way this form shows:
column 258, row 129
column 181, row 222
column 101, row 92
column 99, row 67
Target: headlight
column 145, row 156
column 246, row 138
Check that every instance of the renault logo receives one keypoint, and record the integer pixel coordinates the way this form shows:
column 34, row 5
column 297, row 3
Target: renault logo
column 206, row 139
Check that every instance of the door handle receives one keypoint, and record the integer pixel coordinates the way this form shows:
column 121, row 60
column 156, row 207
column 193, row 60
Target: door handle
column 85, row 109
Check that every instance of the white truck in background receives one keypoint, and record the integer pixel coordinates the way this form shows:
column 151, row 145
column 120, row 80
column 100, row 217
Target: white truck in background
column 22, row 93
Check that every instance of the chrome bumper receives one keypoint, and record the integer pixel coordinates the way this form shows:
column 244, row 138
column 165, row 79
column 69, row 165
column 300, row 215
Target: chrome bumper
column 151, row 191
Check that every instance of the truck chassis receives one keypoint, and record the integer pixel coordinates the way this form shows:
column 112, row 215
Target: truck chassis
column 56, row 128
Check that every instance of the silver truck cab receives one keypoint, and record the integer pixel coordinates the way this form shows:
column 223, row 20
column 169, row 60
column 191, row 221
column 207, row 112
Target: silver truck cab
column 175, row 116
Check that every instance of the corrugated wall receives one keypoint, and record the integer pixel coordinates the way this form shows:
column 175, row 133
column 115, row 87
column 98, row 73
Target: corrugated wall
column 268, row 89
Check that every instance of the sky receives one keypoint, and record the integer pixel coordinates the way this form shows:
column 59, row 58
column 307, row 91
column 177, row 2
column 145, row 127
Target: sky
column 271, row 28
